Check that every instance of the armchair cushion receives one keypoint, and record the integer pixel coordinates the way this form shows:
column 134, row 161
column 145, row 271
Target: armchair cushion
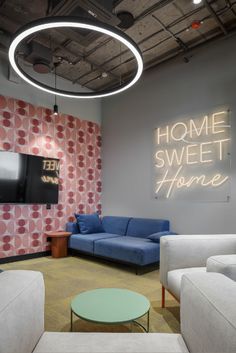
column 74, row 342
column 175, row 277
column 225, row 264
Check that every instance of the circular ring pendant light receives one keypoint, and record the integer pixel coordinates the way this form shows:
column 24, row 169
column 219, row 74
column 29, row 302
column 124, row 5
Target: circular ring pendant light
column 73, row 22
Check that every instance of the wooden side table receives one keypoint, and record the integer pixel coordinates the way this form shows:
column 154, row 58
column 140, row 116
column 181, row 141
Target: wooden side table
column 59, row 242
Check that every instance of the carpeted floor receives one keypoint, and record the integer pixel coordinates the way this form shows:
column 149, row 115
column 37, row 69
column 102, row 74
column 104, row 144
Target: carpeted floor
column 66, row 277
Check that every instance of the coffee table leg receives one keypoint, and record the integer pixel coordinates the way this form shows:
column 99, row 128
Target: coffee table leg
column 148, row 319
column 146, row 329
column 131, row 326
column 71, row 320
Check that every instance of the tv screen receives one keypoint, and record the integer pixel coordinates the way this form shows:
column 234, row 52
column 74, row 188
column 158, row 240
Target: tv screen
column 27, row 179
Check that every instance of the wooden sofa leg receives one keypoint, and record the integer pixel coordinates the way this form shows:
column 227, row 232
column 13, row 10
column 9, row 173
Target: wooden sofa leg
column 163, row 293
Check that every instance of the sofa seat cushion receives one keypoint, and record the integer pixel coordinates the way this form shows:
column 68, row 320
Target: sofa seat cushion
column 115, row 224
column 128, row 249
column 65, row 342
column 225, row 264
column 85, row 242
column 175, row 277
column 142, row 227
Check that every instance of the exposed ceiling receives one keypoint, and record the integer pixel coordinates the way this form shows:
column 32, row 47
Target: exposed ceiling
column 162, row 29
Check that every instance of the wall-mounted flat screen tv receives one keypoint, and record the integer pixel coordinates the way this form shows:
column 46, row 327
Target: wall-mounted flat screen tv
column 27, row 179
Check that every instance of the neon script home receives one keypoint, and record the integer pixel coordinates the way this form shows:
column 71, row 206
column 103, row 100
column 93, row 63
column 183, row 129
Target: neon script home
column 189, row 147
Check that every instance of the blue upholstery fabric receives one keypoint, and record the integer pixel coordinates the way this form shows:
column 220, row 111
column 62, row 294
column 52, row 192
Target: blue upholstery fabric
column 123, row 238
column 85, row 242
column 115, row 225
column 157, row 236
column 72, row 227
column 142, row 227
column 129, row 249
column 89, row 223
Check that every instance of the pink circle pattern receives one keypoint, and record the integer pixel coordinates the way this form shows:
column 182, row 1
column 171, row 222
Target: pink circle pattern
column 34, row 130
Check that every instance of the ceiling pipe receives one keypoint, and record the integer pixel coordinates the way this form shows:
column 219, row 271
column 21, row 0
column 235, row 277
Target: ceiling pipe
column 173, row 53
column 217, row 19
column 181, row 44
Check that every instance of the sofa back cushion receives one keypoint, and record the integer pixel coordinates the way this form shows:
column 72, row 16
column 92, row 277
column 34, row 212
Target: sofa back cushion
column 21, row 310
column 208, row 313
column 142, row 227
column 89, row 223
column 115, row 225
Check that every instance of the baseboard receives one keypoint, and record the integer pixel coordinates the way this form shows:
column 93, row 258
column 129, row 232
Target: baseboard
column 24, row 257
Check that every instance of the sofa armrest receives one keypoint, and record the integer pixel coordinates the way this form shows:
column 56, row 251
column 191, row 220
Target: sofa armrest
column 208, row 314
column 183, row 251
column 72, row 227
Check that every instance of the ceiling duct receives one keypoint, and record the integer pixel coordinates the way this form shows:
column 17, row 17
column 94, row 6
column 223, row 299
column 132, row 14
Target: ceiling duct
column 99, row 10
column 40, row 57
column 126, row 19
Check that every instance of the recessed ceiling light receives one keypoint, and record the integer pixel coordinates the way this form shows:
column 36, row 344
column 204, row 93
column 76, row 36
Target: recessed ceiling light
column 73, row 22
column 104, row 74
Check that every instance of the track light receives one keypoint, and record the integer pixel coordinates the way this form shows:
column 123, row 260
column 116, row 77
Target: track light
column 55, row 109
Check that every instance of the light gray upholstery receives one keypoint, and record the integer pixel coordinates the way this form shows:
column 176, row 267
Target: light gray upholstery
column 21, row 310
column 175, row 276
column 186, row 251
column 208, row 313
column 208, row 320
column 110, row 343
column 225, row 264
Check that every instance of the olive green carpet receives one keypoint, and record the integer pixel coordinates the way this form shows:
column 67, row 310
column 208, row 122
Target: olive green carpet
column 66, row 277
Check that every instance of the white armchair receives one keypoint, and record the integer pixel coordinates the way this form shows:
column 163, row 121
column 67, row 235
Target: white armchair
column 183, row 254
column 208, row 321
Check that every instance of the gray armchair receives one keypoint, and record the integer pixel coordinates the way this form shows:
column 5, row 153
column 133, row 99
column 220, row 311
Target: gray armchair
column 208, row 321
column 184, row 254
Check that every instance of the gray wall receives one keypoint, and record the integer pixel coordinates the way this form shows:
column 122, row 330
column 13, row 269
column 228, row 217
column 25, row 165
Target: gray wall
column 163, row 95
column 87, row 109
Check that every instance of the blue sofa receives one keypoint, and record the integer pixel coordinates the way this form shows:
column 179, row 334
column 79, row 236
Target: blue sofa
column 124, row 239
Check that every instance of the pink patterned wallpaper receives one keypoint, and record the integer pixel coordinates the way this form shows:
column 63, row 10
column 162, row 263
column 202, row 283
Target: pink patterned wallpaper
column 34, row 130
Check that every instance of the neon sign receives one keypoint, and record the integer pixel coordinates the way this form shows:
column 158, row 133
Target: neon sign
column 191, row 155
column 50, row 166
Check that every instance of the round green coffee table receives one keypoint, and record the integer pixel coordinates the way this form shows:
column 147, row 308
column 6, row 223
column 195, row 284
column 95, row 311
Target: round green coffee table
column 110, row 306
